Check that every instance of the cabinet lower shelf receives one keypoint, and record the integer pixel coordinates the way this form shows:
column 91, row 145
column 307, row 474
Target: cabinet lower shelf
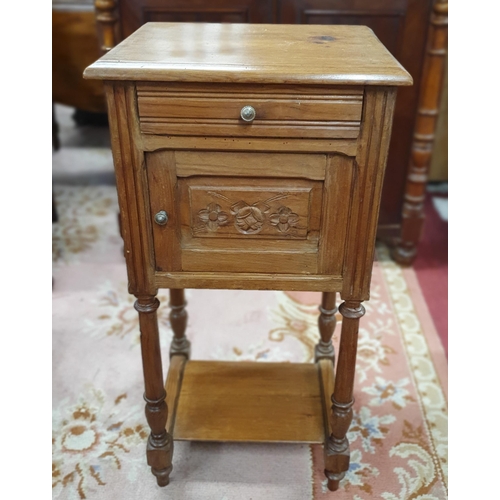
column 249, row 401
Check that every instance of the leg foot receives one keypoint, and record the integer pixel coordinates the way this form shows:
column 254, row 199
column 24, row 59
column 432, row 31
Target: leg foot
column 336, row 447
column 160, row 458
column 337, row 453
column 162, row 476
column 333, row 480
column 333, row 485
column 160, row 446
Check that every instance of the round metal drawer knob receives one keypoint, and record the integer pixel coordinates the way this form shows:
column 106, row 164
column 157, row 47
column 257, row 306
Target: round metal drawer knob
column 161, row 218
column 247, row 113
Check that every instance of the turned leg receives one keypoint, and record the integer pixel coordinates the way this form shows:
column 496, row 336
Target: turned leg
column 178, row 319
column 160, row 445
column 326, row 322
column 337, row 446
column 423, row 137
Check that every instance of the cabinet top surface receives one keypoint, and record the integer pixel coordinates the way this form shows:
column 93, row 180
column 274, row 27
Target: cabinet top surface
column 251, row 53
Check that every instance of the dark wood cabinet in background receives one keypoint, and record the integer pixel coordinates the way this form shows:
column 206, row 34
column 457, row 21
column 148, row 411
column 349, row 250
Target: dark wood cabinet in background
column 402, row 26
column 134, row 13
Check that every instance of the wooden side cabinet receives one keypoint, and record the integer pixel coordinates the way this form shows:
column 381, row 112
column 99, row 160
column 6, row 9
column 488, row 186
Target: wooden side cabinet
column 250, row 157
column 414, row 32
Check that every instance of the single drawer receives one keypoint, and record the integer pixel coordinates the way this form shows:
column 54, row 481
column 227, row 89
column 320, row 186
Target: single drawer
column 249, row 111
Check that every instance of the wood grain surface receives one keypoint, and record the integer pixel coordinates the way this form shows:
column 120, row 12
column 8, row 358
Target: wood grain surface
column 245, row 401
column 192, row 52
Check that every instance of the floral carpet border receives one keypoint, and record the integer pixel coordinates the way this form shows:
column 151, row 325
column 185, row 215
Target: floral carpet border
column 431, row 397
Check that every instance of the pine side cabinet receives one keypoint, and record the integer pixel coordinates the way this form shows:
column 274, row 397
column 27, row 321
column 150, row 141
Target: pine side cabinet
column 249, row 157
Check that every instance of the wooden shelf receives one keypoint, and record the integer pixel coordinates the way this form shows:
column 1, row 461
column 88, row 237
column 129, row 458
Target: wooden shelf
column 249, row 402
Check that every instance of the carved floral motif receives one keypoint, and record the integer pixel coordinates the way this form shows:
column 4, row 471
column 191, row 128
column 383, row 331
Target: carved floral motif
column 249, row 219
column 284, row 219
column 213, row 217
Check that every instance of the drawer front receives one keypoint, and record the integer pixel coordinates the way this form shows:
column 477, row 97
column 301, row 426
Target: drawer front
column 279, row 112
column 244, row 213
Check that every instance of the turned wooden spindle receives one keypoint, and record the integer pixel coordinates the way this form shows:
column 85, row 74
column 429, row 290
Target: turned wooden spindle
column 107, row 20
column 178, row 320
column 326, row 323
column 160, row 445
column 337, row 448
column 423, row 138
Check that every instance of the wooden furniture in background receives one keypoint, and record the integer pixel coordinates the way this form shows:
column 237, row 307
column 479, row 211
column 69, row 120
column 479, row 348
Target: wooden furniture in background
column 438, row 170
column 250, row 157
column 74, row 47
column 425, row 127
column 401, row 25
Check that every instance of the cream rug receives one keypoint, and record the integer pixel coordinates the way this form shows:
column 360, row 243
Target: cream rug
column 398, row 435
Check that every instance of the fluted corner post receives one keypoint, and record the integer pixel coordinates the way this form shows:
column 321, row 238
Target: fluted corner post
column 337, row 453
column 326, row 323
column 423, row 139
column 178, row 320
column 160, row 445
column 107, row 23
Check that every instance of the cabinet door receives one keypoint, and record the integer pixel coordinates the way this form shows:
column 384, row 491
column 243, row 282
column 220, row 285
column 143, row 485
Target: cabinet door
column 274, row 213
column 401, row 25
column 134, row 13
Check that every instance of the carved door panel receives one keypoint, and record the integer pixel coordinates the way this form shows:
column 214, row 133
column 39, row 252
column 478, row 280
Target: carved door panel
column 134, row 13
column 249, row 212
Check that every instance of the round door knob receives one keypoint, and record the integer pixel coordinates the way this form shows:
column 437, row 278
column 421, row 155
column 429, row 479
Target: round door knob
column 247, row 113
column 161, row 218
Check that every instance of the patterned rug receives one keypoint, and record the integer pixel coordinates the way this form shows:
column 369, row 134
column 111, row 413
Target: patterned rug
column 398, row 435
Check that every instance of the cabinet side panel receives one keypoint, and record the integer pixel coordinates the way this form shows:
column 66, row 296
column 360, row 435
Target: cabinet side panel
column 132, row 187
column 369, row 171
